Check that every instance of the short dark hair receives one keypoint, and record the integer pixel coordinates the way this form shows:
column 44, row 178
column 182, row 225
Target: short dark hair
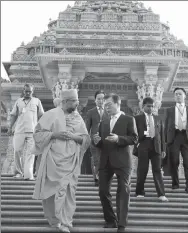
column 99, row 92
column 180, row 88
column 116, row 98
column 28, row 85
column 147, row 100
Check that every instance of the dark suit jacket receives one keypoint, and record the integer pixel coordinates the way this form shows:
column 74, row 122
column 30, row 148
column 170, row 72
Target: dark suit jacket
column 170, row 124
column 159, row 140
column 93, row 120
column 118, row 153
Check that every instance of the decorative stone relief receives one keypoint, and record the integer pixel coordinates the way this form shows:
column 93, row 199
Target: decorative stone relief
column 64, row 52
column 153, row 91
column 63, row 85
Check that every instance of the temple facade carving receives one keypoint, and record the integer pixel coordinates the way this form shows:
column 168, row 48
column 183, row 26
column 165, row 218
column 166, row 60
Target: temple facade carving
column 117, row 46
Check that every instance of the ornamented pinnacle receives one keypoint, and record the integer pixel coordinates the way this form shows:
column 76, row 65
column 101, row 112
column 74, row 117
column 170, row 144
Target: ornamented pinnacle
column 149, row 90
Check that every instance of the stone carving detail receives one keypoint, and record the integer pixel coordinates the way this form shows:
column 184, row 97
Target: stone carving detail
column 150, row 90
column 64, row 51
column 108, row 53
column 62, row 85
column 8, row 165
column 110, row 25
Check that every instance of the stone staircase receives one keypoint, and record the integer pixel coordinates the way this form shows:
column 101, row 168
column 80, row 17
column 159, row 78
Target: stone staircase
column 20, row 213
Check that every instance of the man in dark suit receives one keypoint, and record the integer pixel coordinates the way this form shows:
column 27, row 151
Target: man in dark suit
column 93, row 119
column 115, row 135
column 151, row 146
column 176, row 134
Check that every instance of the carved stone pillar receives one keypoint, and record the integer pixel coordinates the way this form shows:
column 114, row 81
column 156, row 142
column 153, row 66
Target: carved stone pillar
column 8, row 165
column 153, row 91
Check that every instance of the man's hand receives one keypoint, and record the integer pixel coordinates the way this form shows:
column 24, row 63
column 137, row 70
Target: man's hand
column 9, row 132
column 163, row 154
column 96, row 138
column 112, row 138
column 63, row 135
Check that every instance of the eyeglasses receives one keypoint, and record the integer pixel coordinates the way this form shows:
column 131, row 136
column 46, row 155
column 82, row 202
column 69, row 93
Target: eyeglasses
column 73, row 100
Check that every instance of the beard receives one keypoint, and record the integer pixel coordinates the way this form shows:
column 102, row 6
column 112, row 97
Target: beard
column 70, row 110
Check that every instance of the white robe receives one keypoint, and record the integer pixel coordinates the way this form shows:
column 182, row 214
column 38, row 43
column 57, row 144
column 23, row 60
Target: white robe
column 60, row 162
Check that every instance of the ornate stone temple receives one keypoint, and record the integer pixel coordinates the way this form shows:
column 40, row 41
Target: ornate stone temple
column 117, row 46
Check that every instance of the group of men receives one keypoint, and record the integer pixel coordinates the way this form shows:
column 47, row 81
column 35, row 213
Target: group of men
column 60, row 138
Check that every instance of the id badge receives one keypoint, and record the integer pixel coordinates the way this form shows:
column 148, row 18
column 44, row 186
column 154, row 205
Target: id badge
column 23, row 110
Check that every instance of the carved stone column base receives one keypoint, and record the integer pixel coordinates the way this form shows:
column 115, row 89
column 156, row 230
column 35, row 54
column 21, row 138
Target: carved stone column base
column 8, row 165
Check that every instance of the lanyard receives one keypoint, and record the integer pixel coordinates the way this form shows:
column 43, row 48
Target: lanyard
column 180, row 110
column 26, row 103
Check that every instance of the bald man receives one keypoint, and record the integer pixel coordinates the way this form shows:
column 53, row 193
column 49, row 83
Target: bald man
column 62, row 139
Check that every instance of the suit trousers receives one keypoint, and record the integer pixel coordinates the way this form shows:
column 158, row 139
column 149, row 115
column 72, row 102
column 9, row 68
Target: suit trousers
column 95, row 160
column 122, row 195
column 24, row 159
column 146, row 152
column 179, row 145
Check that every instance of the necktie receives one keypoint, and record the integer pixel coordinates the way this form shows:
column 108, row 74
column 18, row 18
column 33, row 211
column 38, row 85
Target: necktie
column 112, row 122
column 151, row 127
column 100, row 113
column 180, row 115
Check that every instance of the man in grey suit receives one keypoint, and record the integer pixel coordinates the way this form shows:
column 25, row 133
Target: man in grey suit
column 93, row 119
column 176, row 134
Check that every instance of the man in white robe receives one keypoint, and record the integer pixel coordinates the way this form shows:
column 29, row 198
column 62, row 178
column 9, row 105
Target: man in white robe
column 62, row 139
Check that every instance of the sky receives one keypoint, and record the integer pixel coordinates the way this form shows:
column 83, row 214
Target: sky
column 22, row 20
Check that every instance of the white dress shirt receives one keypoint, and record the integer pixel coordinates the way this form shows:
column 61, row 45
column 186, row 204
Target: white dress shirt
column 148, row 126
column 114, row 119
column 180, row 116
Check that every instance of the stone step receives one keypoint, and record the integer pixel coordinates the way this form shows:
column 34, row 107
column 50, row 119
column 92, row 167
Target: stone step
column 92, row 191
column 20, row 213
column 81, row 176
column 86, row 180
column 132, row 209
column 38, row 213
column 94, row 222
column 10, row 195
column 91, row 215
column 26, row 186
column 94, row 198
column 135, row 203
column 95, row 229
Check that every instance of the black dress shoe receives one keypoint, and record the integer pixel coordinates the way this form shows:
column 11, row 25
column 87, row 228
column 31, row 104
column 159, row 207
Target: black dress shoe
column 110, row 225
column 96, row 182
column 175, row 186
column 121, row 229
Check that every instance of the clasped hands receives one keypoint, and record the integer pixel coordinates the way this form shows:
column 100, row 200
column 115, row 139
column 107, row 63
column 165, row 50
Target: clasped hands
column 63, row 135
column 111, row 138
